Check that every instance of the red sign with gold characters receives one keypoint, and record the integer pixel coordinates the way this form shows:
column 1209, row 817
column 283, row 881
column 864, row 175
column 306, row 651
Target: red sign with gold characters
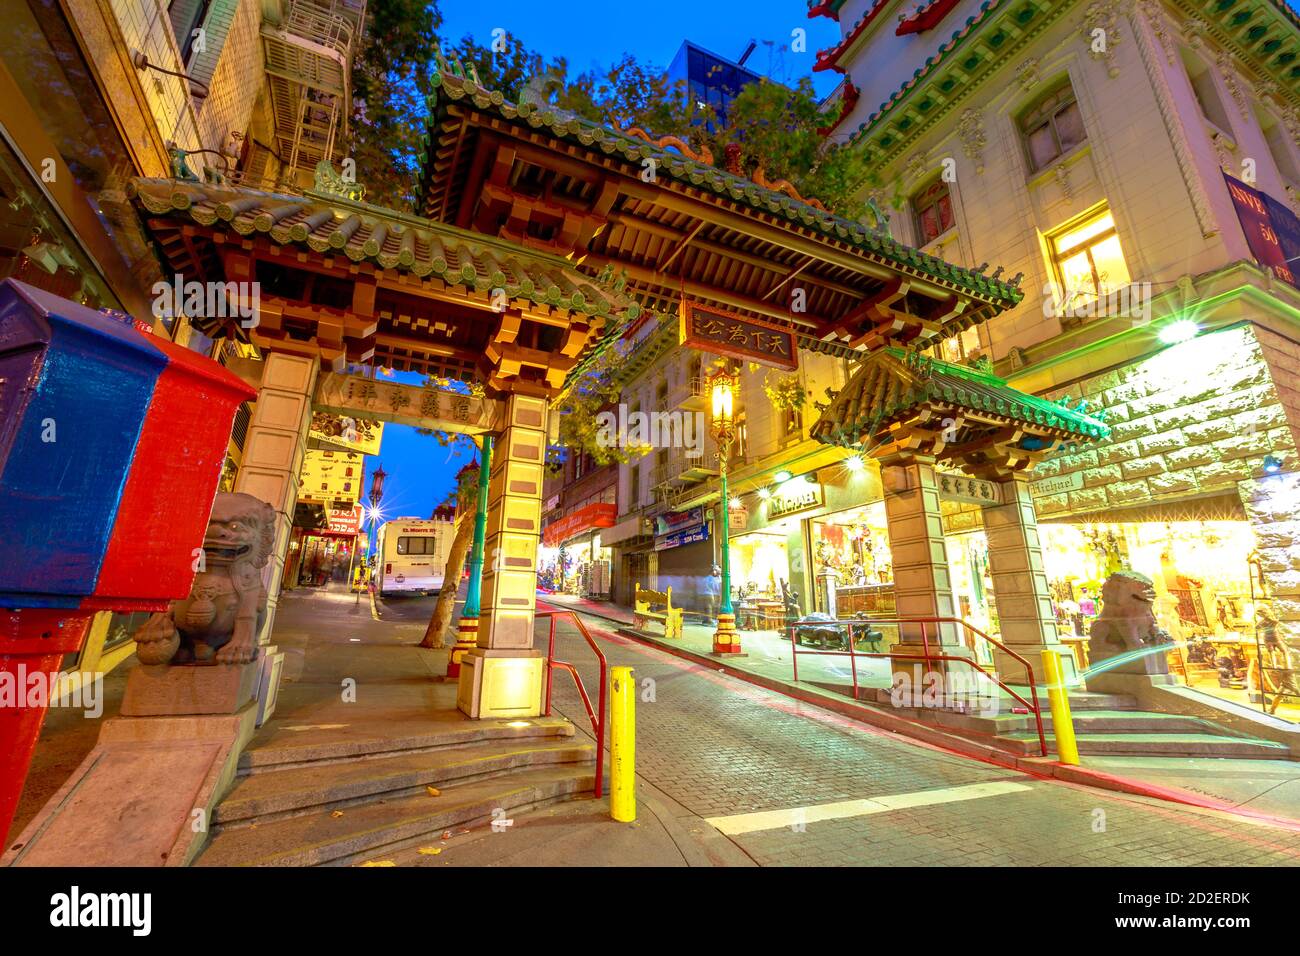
column 724, row 333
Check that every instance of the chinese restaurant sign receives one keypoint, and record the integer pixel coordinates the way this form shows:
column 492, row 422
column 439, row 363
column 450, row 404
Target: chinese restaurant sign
column 329, row 476
column 343, row 521
column 1272, row 230
column 725, row 333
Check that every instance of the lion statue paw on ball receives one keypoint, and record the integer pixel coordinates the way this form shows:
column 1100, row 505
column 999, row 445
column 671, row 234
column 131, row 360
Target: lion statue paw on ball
column 220, row 620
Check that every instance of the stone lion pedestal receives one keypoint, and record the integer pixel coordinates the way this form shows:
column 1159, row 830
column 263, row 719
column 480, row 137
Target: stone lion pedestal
column 191, row 706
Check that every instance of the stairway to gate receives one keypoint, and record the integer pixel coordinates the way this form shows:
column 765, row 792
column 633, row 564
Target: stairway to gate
column 1104, row 725
column 343, row 795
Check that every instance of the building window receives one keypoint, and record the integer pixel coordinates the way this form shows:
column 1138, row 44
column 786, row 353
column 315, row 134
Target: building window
column 1052, row 127
column 960, row 348
column 1206, row 92
column 792, row 421
column 1279, row 147
column 741, row 444
column 1088, row 260
column 933, row 206
column 633, row 487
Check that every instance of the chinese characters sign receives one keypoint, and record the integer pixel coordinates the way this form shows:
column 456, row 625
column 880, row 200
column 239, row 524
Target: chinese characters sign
column 973, row 490
column 1272, row 230
column 725, row 333
column 438, row 409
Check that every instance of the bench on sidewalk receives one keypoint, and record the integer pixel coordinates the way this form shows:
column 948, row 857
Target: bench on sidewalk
column 670, row 617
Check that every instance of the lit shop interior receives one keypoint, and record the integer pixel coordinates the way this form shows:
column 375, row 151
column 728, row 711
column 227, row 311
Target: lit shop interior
column 579, row 566
column 1202, row 571
column 1207, row 596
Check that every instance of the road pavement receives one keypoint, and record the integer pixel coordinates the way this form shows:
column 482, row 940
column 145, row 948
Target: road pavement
column 729, row 773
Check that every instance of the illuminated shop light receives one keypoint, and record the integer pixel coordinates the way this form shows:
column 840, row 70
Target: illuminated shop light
column 782, row 476
column 765, row 493
column 1272, row 464
column 855, row 463
column 1179, row 331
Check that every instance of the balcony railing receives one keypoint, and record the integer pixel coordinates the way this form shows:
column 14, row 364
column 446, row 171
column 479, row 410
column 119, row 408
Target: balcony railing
column 309, row 55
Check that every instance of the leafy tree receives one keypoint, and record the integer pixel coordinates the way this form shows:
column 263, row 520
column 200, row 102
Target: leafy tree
column 389, row 83
column 466, row 499
column 506, row 69
column 776, row 129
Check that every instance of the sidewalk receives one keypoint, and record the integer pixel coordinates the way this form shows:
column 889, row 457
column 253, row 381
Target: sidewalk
column 1267, row 789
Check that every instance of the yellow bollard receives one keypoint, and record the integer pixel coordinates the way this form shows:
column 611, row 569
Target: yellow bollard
column 622, row 745
column 1067, row 749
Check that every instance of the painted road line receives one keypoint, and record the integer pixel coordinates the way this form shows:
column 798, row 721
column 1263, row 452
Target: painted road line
column 778, row 819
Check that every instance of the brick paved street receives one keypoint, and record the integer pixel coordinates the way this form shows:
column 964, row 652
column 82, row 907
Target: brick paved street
column 718, row 747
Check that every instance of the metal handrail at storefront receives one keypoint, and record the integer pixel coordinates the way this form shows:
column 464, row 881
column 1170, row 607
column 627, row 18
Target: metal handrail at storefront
column 597, row 718
column 849, row 624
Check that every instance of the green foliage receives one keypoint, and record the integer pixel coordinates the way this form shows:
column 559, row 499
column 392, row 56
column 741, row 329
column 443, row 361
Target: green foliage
column 390, row 84
column 776, row 128
column 633, row 93
column 583, row 400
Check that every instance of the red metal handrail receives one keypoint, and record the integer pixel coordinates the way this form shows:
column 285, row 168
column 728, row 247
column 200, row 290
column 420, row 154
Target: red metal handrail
column 853, row 655
column 597, row 719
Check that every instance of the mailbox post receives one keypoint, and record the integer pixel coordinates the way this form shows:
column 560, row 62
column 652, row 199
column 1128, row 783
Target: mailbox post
column 111, row 447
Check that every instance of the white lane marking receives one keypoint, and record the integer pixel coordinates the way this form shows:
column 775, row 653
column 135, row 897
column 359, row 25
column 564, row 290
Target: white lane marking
column 778, row 819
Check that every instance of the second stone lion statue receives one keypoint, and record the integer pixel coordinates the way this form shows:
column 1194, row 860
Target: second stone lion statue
column 1127, row 627
column 220, row 619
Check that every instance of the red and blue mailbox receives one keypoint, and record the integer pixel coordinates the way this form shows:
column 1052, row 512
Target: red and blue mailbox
column 111, row 447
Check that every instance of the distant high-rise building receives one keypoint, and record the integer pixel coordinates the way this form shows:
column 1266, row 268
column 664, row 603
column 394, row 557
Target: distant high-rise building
column 711, row 80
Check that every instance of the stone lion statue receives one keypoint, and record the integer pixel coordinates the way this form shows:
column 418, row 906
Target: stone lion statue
column 1128, row 624
column 220, row 620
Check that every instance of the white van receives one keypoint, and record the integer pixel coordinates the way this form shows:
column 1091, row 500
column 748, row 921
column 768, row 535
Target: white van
column 412, row 555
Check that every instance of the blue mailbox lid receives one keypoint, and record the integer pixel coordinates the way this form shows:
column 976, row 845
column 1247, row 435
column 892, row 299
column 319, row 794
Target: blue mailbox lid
column 66, row 443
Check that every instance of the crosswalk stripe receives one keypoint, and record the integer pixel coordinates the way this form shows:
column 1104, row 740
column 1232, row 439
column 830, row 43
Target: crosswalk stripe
column 740, row 823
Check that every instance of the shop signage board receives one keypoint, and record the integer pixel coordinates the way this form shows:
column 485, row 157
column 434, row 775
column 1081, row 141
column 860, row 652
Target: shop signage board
column 726, row 333
column 1272, row 230
column 331, row 476
column 738, row 519
column 788, row 500
column 346, row 521
column 403, row 404
column 347, row 433
column 678, row 520
column 977, row 491
column 1057, row 484
column 600, row 515
column 679, row 538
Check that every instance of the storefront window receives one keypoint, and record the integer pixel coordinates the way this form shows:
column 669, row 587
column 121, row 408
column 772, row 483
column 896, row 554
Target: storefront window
column 1201, row 571
column 854, row 545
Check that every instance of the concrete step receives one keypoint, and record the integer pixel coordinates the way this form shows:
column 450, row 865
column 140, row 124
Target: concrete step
column 1158, row 745
column 283, row 745
column 366, row 831
column 1085, row 722
column 272, row 794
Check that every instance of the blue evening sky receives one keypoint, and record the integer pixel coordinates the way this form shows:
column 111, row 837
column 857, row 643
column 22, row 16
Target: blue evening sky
column 594, row 33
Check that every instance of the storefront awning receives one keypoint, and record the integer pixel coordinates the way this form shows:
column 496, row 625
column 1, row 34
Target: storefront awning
column 902, row 403
column 590, row 518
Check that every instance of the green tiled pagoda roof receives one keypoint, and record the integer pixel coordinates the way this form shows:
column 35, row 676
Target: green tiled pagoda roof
column 364, row 233
column 450, row 87
column 893, row 384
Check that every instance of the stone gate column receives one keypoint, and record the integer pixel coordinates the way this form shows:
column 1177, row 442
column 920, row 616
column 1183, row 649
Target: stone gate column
column 273, row 455
column 922, row 581
column 503, row 675
column 1020, row 587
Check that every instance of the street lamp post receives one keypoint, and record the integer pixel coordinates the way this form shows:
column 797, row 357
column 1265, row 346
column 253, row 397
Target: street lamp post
column 723, row 385
column 376, row 496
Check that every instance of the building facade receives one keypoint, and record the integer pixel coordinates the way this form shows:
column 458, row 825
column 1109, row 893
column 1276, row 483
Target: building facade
column 1139, row 163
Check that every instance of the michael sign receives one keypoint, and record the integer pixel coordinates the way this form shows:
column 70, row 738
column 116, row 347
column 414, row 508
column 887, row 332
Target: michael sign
column 76, row 909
